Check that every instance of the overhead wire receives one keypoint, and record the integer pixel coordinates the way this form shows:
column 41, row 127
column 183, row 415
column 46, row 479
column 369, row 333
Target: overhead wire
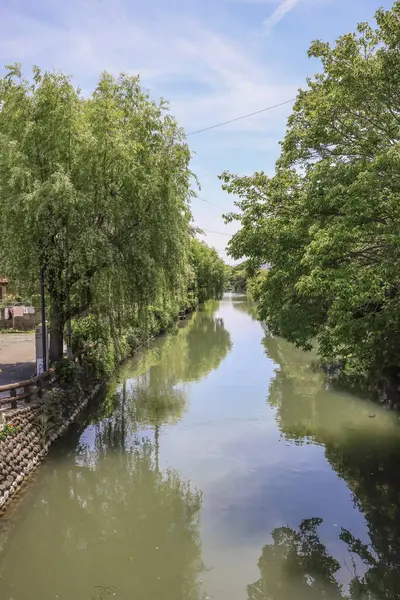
column 218, row 232
column 208, row 201
column 257, row 112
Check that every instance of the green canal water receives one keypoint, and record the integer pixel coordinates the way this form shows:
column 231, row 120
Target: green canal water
column 219, row 466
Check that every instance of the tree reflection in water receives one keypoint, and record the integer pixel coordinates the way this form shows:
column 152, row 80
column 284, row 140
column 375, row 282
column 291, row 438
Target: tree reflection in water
column 365, row 453
column 118, row 522
column 118, row 526
column 145, row 520
column 153, row 515
column 150, row 389
column 245, row 304
column 156, row 512
column 297, row 565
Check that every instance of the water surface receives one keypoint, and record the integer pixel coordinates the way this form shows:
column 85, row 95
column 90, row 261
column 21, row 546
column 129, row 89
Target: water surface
column 219, row 465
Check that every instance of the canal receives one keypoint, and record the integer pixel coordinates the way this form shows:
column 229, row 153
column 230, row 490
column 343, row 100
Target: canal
column 218, row 465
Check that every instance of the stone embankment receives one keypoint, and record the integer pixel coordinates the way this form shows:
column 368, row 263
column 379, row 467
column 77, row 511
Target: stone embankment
column 32, row 430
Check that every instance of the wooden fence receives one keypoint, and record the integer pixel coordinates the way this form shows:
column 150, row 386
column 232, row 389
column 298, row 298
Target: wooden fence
column 28, row 390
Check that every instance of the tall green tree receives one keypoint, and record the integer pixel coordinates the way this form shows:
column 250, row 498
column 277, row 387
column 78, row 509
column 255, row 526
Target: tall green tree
column 238, row 277
column 328, row 221
column 209, row 272
column 95, row 191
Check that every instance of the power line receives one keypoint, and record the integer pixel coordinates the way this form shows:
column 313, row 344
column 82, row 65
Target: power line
column 257, row 112
column 219, row 232
column 208, row 201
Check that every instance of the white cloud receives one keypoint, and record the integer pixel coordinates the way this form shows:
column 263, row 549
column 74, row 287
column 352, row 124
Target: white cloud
column 227, row 79
column 279, row 13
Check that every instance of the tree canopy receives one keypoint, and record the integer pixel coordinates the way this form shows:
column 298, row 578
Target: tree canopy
column 327, row 221
column 95, row 190
column 237, row 277
column 209, row 271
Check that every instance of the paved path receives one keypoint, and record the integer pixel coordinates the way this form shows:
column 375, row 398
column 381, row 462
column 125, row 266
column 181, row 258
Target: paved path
column 17, row 357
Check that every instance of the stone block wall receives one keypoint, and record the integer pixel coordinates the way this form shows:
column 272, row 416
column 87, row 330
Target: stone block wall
column 21, row 453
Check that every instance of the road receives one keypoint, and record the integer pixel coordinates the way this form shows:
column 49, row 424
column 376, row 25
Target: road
column 17, row 357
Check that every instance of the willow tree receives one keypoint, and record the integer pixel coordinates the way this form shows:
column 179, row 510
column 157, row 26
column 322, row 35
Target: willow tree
column 209, row 271
column 328, row 221
column 94, row 191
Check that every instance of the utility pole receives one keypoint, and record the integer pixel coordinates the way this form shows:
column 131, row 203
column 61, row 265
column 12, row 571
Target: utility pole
column 68, row 340
column 43, row 307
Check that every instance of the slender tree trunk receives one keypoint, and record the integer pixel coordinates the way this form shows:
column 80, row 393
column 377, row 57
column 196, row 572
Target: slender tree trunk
column 57, row 322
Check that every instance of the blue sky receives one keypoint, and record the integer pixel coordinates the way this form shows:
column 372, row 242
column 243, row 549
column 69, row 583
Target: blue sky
column 212, row 59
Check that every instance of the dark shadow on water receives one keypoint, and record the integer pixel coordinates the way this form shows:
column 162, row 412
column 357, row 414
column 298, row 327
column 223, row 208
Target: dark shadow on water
column 297, row 565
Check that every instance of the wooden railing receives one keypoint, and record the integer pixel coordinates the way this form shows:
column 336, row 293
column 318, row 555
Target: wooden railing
column 31, row 389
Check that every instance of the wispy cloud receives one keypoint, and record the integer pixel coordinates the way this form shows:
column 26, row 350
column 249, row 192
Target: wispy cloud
column 208, row 76
column 279, row 13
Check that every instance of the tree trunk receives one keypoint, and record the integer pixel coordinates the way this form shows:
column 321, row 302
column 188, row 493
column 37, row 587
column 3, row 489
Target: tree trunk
column 57, row 322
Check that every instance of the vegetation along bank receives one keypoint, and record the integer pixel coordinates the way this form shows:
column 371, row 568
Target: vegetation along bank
column 328, row 221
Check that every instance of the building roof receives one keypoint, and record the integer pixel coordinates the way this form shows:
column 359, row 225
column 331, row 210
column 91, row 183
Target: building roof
column 3, row 280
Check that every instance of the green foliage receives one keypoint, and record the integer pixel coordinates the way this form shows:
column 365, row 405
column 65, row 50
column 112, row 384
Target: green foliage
column 328, row 221
column 104, row 347
column 209, row 272
column 8, row 430
column 44, row 426
column 70, row 373
column 256, row 283
column 96, row 191
column 237, row 277
column 107, row 343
